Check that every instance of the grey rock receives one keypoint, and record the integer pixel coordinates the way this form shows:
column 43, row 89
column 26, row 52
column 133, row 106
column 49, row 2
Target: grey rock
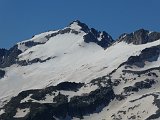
column 9, row 57
column 140, row 85
column 148, row 54
column 2, row 73
column 93, row 36
column 140, row 36
column 78, row 106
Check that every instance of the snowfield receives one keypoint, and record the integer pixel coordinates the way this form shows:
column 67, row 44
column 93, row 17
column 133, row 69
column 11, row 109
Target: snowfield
column 66, row 57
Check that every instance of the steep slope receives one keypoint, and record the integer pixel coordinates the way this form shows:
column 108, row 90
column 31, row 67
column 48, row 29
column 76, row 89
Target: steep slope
column 48, row 57
column 80, row 73
column 137, row 82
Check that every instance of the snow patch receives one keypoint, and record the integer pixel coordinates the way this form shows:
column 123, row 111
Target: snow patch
column 1, row 111
column 22, row 112
column 75, row 26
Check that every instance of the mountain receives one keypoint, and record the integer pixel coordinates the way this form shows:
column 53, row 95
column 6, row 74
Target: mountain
column 140, row 36
column 81, row 73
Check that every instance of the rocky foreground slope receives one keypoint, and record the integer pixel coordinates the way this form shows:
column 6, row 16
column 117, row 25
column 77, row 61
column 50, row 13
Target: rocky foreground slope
column 81, row 73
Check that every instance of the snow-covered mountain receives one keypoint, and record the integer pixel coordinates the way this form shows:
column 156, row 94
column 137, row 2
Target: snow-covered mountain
column 81, row 73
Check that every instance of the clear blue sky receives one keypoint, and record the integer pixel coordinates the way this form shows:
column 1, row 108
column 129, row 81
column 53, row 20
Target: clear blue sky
column 21, row 19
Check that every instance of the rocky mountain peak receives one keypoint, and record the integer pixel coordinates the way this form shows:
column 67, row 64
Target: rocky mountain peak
column 78, row 25
column 140, row 36
column 103, row 39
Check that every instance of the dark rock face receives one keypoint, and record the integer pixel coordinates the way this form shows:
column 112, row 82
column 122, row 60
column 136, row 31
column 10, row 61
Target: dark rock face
column 143, row 71
column 93, row 36
column 140, row 37
column 9, row 57
column 82, row 105
column 31, row 43
column 66, row 30
column 3, row 53
column 140, row 85
column 36, row 60
column 106, row 40
column 148, row 54
column 40, row 111
column 69, row 86
column 2, row 73
column 61, row 108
